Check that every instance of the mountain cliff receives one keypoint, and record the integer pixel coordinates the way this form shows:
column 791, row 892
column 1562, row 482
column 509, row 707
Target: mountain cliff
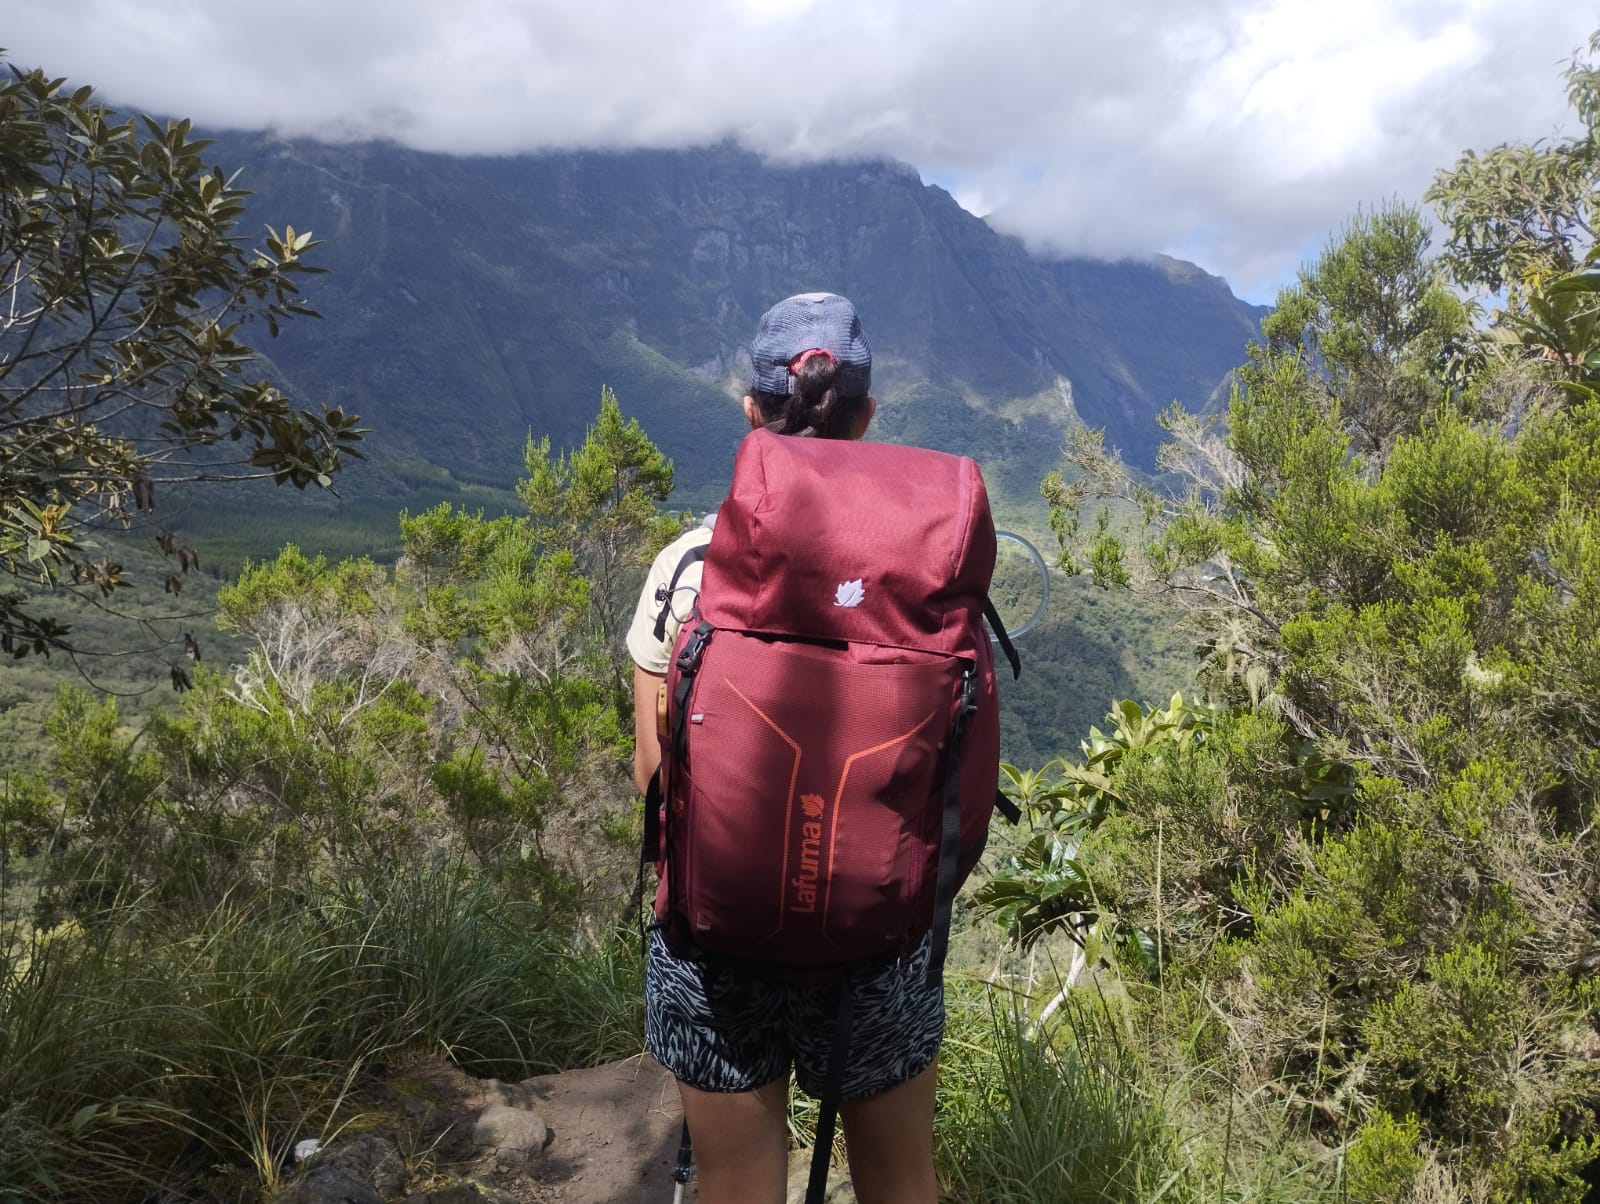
column 472, row 300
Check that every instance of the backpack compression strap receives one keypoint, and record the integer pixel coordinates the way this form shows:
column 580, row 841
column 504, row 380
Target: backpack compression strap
column 656, row 793
column 995, row 625
column 944, row 895
column 950, row 833
column 1012, row 813
column 664, row 592
column 1001, row 803
column 688, row 667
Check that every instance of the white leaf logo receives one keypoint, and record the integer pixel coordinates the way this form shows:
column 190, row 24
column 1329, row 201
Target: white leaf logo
column 849, row 593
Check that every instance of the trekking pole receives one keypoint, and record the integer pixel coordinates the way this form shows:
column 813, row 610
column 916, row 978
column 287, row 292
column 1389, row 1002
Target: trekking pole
column 685, row 1167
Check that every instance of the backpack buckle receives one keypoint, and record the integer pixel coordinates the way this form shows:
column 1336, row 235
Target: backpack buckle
column 966, row 706
column 694, row 649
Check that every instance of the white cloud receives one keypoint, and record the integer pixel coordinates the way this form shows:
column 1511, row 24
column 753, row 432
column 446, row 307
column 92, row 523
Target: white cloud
column 774, row 11
column 1236, row 132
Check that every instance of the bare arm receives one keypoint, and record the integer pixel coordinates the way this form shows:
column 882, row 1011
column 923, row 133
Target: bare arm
column 646, row 745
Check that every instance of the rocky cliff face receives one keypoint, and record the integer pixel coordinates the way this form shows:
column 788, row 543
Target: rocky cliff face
column 473, row 300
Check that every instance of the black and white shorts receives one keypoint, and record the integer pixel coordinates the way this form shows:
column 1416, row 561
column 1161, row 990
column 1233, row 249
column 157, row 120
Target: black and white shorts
column 720, row 1030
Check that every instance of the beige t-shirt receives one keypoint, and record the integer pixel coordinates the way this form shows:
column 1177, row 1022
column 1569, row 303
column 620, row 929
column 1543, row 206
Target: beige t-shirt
column 650, row 654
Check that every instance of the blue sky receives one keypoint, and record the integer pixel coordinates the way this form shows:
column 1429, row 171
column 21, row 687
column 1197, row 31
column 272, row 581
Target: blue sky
column 1237, row 133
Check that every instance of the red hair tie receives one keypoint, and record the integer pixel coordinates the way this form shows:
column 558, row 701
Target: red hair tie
column 794, row 364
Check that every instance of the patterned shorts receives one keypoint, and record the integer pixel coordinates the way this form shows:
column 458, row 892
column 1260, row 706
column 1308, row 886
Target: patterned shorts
column 719, row 1030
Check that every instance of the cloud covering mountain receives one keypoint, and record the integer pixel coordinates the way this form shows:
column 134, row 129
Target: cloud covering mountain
column 1237, row 133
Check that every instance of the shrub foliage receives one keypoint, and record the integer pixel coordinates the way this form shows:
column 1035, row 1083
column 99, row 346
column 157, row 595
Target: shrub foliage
column 1361, row 877
column 127, row 287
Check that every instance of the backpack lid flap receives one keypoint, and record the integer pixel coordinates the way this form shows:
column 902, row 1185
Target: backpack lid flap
column 839, row 540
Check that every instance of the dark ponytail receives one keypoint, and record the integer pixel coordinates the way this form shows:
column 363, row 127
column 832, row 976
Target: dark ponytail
column 814, row 407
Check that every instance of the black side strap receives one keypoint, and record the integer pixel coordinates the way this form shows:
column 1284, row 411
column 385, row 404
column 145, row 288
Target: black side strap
column 950, row 836
column 652, row 822
column 1001, row 803
column 828, row 1106
column 678, row 712
column 649, row 851
column 999, row 629
column 1007, row 808
column 664, row 592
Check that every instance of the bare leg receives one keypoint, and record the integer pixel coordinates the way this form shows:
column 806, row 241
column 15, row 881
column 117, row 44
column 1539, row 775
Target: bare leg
column 889, row 1137
column 741, row 1143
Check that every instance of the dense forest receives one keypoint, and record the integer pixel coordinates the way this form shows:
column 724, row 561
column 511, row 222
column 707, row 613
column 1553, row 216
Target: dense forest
column 1320, row 926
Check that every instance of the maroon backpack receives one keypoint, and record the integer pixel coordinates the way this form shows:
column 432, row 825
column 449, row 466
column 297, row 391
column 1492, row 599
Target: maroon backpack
column 832, row 746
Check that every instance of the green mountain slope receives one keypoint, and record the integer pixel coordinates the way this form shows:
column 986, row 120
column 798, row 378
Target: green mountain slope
column 472, row 300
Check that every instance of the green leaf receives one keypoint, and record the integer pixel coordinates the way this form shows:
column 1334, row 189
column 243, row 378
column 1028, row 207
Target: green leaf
column 1582, row 282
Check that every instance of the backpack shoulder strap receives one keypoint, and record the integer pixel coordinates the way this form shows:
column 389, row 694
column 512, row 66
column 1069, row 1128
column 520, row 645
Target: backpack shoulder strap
column 664, row 593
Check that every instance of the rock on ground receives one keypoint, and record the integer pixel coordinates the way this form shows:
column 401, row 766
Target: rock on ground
column 329, row 1185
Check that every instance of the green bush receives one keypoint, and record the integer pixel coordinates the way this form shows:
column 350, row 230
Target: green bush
column 1382, row 1162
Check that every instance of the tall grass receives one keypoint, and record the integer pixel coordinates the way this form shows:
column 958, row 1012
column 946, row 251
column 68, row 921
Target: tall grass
column 78, row 1100
column 1110, row 1102
column 1051, row 1117
column 1058, row 1115
column 151, row 1047
column 466, row 970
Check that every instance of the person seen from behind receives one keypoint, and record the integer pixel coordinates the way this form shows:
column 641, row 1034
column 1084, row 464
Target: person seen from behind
column 731, row 1038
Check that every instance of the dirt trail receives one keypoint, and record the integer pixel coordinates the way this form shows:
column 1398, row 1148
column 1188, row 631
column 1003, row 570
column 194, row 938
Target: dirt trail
column 603, row 1136
column 610, row 1134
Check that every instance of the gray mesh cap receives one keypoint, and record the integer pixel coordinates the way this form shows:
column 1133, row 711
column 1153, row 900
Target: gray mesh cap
column 798, row 324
